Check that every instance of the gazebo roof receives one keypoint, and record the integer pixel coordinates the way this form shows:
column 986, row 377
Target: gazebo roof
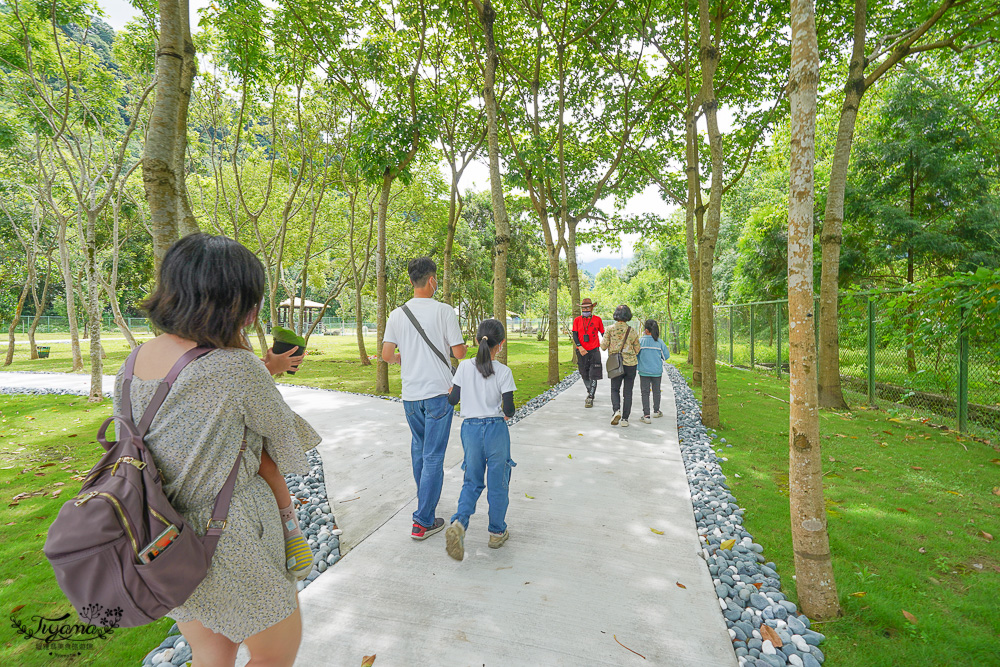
column 299, row 303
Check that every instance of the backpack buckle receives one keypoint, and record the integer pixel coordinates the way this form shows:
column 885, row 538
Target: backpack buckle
column 85, row 498
column 139, row 465
column 217, row 523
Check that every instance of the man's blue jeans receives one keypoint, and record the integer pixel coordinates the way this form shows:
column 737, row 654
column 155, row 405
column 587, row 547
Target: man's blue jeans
column 430, row 424
column 486, row 442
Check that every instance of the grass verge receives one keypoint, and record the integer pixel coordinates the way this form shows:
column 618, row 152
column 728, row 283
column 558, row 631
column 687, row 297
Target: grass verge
column 47, row 443
column 912, row 511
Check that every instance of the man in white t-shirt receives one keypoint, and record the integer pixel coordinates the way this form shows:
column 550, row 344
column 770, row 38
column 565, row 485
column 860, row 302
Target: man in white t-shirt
column 426, row 376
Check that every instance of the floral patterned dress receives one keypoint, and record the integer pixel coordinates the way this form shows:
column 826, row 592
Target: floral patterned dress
column 194, row 440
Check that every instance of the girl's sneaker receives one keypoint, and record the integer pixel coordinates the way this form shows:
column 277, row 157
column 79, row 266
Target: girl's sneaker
column 496, row 541
column 657, row 414
column 616, row 418
column 645, row 419
column 455, row 540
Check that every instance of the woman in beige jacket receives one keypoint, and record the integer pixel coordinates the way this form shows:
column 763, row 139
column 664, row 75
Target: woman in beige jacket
column 620, row 337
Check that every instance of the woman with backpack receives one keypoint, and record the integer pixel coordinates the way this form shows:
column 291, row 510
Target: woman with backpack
column 652, row 353
column 210, row 288
column 621, row 339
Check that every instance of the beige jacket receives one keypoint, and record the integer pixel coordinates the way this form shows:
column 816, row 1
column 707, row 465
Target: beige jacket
column 615, row 337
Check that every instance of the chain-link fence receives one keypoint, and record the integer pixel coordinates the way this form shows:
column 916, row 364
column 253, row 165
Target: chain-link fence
column 891, row 356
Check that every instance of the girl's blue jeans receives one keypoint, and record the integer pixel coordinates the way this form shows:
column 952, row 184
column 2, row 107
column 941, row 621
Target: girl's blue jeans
column 487, row 465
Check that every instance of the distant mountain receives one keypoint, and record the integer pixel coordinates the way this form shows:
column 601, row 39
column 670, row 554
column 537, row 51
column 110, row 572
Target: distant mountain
column 594, row 266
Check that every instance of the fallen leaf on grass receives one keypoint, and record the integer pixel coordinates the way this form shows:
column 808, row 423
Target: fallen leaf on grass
column 922, row 550
column 17, row 609
column 986, row 536
column 55, row 494
column 859, row 594
column 893, row 419
column 368, row 661
column 997, row 461
column 728, row 544
column 680, row 585
column 996, row 490
column 860, row 470
column 527, row 496
column 910, row 617
column 902, row 509
column 658, row 532
column 916, row 467
column 956, row 493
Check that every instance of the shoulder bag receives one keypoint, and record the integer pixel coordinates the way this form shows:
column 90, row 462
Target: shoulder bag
column 616, row 362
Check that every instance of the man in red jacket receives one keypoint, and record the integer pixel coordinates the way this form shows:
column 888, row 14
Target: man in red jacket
column 586, row 331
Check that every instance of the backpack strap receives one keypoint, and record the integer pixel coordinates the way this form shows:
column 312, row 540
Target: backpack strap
column 220, row 511
column 161, row 391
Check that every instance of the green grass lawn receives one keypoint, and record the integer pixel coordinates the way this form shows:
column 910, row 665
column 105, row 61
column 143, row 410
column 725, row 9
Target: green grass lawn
column 333, row 363
column 912, row 512
column 46, row 444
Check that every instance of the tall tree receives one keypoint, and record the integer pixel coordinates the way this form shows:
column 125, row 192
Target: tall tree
column 810, row 542
column 956, row 25
column 163, row 172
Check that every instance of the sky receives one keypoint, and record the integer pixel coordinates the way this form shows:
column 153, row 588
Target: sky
column 120, row 12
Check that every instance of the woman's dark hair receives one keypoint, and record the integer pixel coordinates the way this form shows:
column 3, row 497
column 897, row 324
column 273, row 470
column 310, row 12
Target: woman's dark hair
column 653, row 328
column 420, row 269
column 623, row 313
column 489, row 334
column 209, row 287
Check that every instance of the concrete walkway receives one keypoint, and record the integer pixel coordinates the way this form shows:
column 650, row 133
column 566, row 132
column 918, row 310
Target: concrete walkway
column 581, row 567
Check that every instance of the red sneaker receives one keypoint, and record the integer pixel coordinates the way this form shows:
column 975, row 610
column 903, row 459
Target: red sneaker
column 423, row 532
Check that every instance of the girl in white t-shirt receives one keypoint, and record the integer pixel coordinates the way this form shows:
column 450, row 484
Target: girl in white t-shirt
column 486, row 388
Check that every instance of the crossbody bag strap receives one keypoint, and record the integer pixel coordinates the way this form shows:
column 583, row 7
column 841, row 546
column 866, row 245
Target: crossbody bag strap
column 423, row 335
column 220, row 511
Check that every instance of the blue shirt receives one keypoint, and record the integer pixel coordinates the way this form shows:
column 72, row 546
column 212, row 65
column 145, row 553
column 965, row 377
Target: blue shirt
column 652, row 354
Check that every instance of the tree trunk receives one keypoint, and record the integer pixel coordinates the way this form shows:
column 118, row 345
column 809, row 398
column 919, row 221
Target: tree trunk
column 693, row 212
column 119, row 318
column 810, row 542
column 15, row 320
column 449, row 243
column 830, row 393
column 553, row 313
column 67, row 276
column 40, row 303
column 381, row 368
column 159, row 159
column 911, row 358
column 501, row 219
column 186, row 222
column 713, row 219
column 93, row 301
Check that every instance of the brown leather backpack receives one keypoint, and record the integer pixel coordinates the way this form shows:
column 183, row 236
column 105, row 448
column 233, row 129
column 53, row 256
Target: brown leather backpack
column 94, row 543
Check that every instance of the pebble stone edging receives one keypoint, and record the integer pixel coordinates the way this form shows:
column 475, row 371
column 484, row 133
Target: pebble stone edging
column 317, row 521
column 736, row 571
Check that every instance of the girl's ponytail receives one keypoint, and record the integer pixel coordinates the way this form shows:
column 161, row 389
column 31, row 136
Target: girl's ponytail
column 653, row 328
column 490, row 334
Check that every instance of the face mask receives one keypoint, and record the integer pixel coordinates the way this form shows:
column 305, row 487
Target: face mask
column 586, row 313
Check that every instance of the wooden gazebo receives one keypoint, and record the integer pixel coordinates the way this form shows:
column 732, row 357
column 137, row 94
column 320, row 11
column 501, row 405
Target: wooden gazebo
column 285, row 309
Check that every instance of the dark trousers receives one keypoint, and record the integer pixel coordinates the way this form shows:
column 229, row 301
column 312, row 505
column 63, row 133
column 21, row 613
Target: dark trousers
column 645, row 384
column 590, row 369
column 625, row 399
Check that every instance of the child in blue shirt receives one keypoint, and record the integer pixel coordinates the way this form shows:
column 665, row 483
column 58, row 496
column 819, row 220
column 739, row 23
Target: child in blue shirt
column 486, row 389
column 652, row 353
